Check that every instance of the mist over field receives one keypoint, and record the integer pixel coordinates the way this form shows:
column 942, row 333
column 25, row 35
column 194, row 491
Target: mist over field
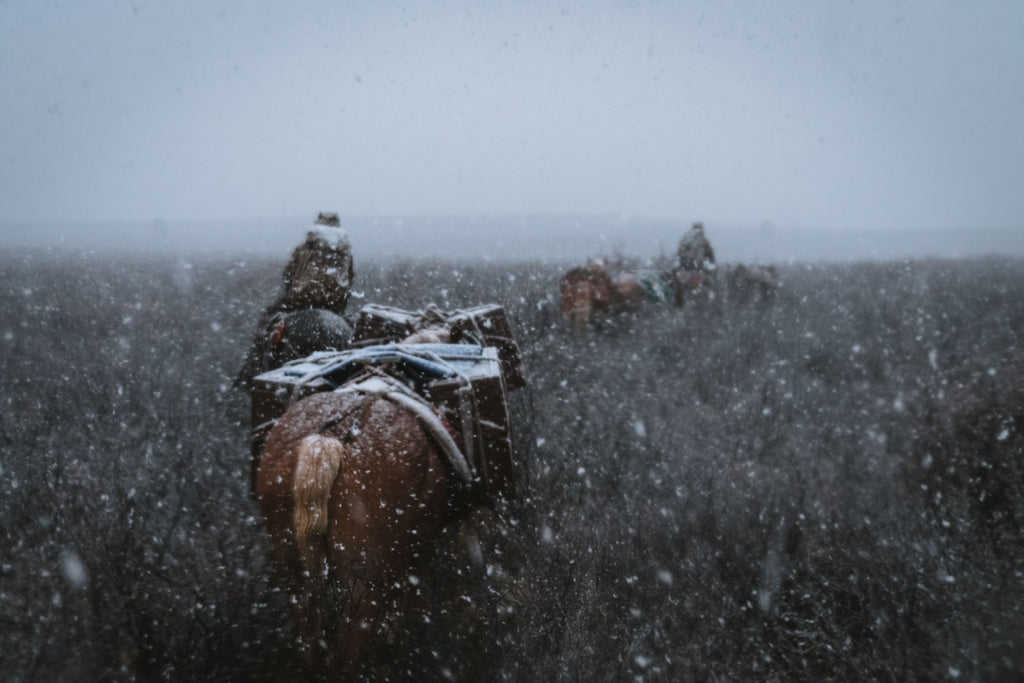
column 824, row 486
column 510, row 238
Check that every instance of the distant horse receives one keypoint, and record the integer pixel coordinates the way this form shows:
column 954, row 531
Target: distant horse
column 586, row 292
column 628, row 293
column 591, row 291
column 692, row 285
column 353, row 484
column 751, row 284
column 637, row 288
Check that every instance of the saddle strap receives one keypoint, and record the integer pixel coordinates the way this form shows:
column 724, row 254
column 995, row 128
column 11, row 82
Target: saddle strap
column 398, row 394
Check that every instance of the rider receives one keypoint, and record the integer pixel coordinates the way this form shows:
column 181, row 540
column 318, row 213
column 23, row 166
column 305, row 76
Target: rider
column 306, row 316
column 695, row 252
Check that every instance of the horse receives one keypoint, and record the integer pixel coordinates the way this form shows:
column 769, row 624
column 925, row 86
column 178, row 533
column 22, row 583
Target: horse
column 752, row 284
column 585, row 292
column 355, row 482
column 353, row 485
column 590, row 291
column 691, row 285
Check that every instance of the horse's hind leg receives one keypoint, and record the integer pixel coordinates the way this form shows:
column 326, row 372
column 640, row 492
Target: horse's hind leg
column 385, row 506
column 577, row 305
column 580, row 317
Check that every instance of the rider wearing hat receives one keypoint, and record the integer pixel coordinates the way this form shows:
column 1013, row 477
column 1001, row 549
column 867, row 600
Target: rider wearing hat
column 695, row 252
column 307, row 315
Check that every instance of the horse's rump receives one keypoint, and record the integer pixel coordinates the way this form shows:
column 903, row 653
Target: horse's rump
column 351, row 487
column 578, row 303
column 750, row 284
column 585, row 291
column 597, row 276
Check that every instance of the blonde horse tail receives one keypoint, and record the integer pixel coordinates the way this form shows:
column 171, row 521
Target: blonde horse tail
column 316, row 468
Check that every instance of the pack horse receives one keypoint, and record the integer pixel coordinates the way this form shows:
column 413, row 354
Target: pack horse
column 590, row 293
column 364, row 455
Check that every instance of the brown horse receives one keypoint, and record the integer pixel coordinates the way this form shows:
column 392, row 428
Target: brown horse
column 585, row 293
column 692, row 285
column 591, row 291
column 629, row 293
column 752, row 284
column 353, row 484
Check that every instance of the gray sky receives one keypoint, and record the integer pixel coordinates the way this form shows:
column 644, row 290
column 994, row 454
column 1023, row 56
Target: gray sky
column 845, row 115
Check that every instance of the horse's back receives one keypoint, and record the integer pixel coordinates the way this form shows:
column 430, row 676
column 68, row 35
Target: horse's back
column 630, row 293
column 753, row 283
column 383, row 443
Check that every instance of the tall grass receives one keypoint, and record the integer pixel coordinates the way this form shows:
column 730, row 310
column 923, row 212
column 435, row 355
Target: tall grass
column 828, row 486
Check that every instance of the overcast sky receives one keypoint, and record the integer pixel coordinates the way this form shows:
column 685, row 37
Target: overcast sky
column 830, row 114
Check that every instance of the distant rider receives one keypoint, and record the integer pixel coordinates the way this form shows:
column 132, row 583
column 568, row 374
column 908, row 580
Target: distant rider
column 695, row 252
column 306, row 316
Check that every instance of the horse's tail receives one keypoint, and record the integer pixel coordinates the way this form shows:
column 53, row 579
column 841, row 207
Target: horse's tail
column 316, row 468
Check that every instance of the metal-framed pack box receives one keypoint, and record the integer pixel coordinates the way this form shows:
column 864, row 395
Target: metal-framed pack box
column 464, row 382
column 485, row 325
